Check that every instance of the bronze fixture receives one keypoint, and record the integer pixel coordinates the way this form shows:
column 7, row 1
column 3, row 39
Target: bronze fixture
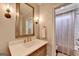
column 7, row 14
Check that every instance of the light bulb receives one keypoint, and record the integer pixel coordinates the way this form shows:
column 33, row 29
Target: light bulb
column 36, row 19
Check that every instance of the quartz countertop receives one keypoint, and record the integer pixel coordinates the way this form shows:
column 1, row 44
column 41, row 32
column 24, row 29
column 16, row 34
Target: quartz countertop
column 24, row 49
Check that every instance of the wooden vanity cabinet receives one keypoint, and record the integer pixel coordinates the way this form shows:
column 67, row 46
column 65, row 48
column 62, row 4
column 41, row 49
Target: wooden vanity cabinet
column 40, row 52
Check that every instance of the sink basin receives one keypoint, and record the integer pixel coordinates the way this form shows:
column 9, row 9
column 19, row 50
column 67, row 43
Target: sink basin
column 30, row 44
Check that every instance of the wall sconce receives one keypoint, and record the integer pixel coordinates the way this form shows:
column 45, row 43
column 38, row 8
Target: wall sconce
column 37, row 20
column 7, row 14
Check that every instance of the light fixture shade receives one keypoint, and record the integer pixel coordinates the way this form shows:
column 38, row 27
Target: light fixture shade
column 36, row 20
column 7, row 15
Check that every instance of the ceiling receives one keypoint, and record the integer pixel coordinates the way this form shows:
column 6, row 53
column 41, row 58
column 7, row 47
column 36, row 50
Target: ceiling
column 25, row 9
column 41, row 4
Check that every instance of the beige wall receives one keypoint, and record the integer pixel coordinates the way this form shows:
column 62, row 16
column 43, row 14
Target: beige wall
column 36, row 14
column 7, row 28
column 46, row 13
column 47, row 18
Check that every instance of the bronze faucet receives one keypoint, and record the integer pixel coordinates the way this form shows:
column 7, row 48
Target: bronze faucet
column 28, row 39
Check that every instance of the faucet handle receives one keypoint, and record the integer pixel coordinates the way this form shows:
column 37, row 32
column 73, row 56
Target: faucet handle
column 27, row 40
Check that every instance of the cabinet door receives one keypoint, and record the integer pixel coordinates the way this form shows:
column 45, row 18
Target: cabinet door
column 40, row 52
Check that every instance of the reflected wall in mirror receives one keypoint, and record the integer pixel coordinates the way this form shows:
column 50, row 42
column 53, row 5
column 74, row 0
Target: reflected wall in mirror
column 24, row 20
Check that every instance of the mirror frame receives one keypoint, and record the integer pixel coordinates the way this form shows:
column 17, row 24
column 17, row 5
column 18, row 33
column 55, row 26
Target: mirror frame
column 17, row 31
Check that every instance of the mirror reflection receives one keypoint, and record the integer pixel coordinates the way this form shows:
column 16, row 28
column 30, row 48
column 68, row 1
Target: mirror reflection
column 25, row 21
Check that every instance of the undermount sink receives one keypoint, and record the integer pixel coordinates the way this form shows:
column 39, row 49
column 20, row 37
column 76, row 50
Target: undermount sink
column 30, row 44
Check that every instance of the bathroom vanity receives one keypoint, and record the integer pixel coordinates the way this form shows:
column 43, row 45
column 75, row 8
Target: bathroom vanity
column 25, row 28
column 35, row 47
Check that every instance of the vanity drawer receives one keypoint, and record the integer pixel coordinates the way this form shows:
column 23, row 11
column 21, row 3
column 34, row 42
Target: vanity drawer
column 40, row 52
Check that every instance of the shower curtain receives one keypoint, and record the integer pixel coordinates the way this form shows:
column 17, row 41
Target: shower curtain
column 65, row 33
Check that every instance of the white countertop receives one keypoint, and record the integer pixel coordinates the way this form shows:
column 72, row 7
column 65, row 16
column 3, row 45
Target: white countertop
column 25, row 49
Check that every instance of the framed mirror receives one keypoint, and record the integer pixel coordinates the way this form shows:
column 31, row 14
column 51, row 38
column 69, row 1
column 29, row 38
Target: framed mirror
column 24, row 20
